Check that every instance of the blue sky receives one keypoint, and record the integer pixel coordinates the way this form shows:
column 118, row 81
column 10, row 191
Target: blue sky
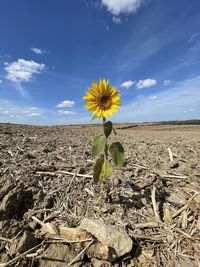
column 51, row 51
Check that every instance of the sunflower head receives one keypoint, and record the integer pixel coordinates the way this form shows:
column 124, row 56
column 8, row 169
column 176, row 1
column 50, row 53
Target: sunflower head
column 102, row 99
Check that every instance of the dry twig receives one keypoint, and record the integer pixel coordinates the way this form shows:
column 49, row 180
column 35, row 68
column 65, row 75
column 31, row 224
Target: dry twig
column 155, row 206
column 170, row 154
column 8, row 263
column 6, row 239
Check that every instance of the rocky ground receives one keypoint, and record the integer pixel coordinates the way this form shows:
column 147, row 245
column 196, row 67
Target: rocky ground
column 52, row 214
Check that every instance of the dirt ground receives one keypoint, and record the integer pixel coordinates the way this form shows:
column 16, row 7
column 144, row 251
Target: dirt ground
column 45, row 183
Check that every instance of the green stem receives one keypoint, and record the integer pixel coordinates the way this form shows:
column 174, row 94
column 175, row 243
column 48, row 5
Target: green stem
column 106, row 146
column 106, row 150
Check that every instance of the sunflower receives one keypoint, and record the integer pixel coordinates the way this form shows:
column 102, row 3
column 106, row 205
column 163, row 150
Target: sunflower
column 102, row 99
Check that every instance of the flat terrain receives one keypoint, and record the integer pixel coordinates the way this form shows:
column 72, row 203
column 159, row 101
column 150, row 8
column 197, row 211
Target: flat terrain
column 45, row 180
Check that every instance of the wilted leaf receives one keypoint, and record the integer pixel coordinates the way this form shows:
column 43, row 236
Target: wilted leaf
column 98, row 145
column 102, row 170
column 117, row 153
column 107, row 127
column 98, row 168
column 106, row 171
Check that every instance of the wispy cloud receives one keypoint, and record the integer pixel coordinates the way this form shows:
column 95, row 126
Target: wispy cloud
column 153, row 98
column 194, row 36
column 146, row 43
column 34, row 114
column 128, row 84
column 141, row 48
column 189, row 110
column 192, row 55
column 116, row 20
column 66, row 112
column 117, row 7
column 147, row 83
column 0, row 81
column 167, row 82
column 38, row 51
column 66, row 104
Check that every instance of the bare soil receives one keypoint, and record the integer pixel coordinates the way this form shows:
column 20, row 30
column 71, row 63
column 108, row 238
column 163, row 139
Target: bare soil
column 45, row 177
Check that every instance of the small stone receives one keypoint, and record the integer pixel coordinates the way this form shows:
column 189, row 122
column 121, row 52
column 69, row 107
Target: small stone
column 33, row 225
column 176, row 198
column 59, row 256
column 31, row 155
column 173, row 164
column 25, row 242
column 15, row 203
column 82, row 170
column 6, row 184
column 116, row 181
column 2, row 224
column 79, row 211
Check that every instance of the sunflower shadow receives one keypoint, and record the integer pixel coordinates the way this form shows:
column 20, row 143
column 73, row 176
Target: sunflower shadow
column 135, row 200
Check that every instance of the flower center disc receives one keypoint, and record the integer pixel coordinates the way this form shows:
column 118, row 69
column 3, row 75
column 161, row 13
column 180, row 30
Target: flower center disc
column 104, row 99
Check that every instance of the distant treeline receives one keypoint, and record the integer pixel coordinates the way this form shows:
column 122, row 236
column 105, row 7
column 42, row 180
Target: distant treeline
column 187, row 122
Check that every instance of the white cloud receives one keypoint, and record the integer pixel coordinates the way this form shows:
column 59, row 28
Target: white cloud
column 38, row 51
column 5, row 111
column 33, row 114
column 127, row 84
column 0, row 81
column 66, row 112
column 194, row 36
column 189, row 110
column 122, row 6
column 146, row 83
column 167, row 82
column 22, row 70
column 153, row 98
column 29, row 110
column 171, row 104
column 12, row 112
column 116, row 20
column 66, row 104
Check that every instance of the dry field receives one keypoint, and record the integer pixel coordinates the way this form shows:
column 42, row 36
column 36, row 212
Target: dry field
column 46, row 191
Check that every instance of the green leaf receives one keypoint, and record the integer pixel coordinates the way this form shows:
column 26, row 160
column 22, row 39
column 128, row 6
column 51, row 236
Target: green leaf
column 107, row 128
column 106, row 171
column 116, row 151
column 102, row 170
column 98, row 168
column 98, row 145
